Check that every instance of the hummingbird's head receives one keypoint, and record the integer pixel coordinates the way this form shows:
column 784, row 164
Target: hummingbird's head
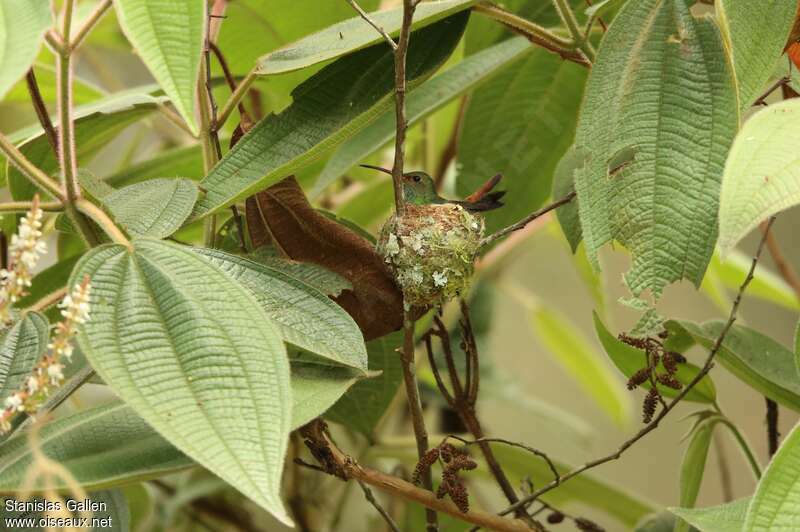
column 418, row 187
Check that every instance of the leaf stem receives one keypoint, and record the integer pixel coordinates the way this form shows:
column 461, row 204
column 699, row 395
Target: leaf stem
column 528, row 219
column 91, row 21
column 235, row 98
column 25, row 206
column 580, row 39
column 28, row 169
column 103, row 220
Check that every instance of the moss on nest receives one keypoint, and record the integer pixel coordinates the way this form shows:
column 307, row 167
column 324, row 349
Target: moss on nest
column 431, row 251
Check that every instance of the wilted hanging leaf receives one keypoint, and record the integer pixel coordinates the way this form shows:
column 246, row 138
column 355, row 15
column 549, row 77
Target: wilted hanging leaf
column 282, row 215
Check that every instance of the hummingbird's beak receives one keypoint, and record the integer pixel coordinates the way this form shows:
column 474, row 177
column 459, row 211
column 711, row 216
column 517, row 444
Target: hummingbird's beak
column 378, row 168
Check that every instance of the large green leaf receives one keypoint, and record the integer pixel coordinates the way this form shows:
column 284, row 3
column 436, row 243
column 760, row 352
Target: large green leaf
column 582, row 362
column 755, row 33
column 110, row 445
column 168, row 36
column 111, row 516
column 329, row 108
column 306, row 317
column 177, row 162
column 762, row 174
column 22, row 25
column 629, row 360
column 723, row 518
column 655, row 150
column 756, row 359
column 154, row 208
column 20, row 348
column 426, row 99
column 693, row 466
column 363, row 406
column 95, row 125
column 520, row 124
column 326, row 281
column 351, row 35
column 563, row 184
column 776, row 503
column 196, row 356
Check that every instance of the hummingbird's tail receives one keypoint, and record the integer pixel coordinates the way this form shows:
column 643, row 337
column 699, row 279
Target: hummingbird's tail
column 488, row 202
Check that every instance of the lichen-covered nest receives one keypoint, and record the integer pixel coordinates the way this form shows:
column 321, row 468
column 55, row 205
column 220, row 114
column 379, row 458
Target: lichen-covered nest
column 431, row 251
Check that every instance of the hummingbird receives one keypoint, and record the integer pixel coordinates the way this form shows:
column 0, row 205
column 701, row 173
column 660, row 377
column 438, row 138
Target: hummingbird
column 419, row 189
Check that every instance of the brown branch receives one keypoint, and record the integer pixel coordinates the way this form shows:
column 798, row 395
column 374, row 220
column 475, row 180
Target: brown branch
column 381, row 510
column 41, row 111
column 761, row 100
column 773, row 436
column 231, row 81
column 709, row 363
column 372, row 23
column 336, row 463
column 528, row 219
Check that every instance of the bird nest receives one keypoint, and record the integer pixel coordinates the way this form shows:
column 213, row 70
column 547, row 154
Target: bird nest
column 431, row 250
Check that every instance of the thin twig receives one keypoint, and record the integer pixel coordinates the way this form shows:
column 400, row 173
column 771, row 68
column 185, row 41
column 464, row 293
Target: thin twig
column 91, row 21
column 761, row 100
column 380, row 30
column 235, row 98
column 784, row 268
column 28, row 169
column 528, row 219
column 381, row 510
column 581, row 40
column 773, row 436
column 709, row 363
column 49, row 300
column 229, row 79
column 25, row 206
column 533, row 450
column 41, row 111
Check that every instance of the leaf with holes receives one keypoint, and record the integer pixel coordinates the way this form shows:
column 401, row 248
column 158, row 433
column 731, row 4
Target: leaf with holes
column 660, row 200
column 155, row 208
column 306, row 317
column 329, row 108
column 168, row 36
column 762, row 174
column 22, row 26
column 195, row 355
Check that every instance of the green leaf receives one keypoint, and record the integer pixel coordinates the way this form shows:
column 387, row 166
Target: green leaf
column 363, row 406
column 184, row 162
column 661, row 204
column 83, row 91
column 762, row 174
column 582, row 362
column 755, row 33
column 776, row 503
column 351, row 35
column 629, row 360
column 155, row 208
column 95, row 125
column 112, row 515
column 196, row 356
column 661, row 522
column 727, row 517
column 21, row 346
column 756, row 359
column 520, row 124
column 168, row 36
column 22, row 26
column 563, row 184
column 305, row 317
column 329, row 108
column 426, row 99
column 326, row 281
column 694, row 464
column 317, row 387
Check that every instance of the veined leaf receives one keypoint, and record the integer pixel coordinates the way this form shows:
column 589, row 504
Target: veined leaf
column 427, row 98
column 95, row 125
column 22, row 25
column 363, row 406
column 329, row 108
column 184, row 162
column 168, row 36
column 583, row 363
column 629, row 360
column 110, row 445
column 693, row 466
column 755, row 34
column 326, row 281
column 20, row 348
column 351, row 35
column 762, row 174
column 723, row 518
column 563, row 184
column 756, row 359
column 660, row 202
column 306, row 317
column 519, row 124
column 776, row 503
column 154, row 208
column 195, row 355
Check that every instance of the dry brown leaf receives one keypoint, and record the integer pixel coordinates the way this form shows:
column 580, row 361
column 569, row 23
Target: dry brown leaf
column 282, row 216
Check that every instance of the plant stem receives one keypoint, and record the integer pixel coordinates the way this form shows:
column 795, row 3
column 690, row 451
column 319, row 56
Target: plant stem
column 41, row 111
column 207, row 143
column 745, row 447
column 709, row 363
column 528, row 219
column 28, row 169
column 49, row 300
column 235, row 98
column 25, row 206
column 580, row 39
column 372, row 23
column 773, row 436
column 97, row 214
column 91, row 21
column 724, row 468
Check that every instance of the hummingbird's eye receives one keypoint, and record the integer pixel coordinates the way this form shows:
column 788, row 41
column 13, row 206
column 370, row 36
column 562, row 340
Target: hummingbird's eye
column 416, row 178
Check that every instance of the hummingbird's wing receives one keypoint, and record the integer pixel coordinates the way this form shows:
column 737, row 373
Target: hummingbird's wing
column 488, row 202
column 484, row 189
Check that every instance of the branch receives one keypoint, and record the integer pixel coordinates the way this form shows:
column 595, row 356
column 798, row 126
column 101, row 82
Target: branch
column 28, row 169
column 380, row 30
column 381, row 510
column 25, row 206
column 336, row 463
column 533, row 450
column 773, row 436
column 709, row 363
column 235, row 98
column 91, row 21
column 230, row 80
column 580, row 39
column 528, row 219
column 41, row 111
